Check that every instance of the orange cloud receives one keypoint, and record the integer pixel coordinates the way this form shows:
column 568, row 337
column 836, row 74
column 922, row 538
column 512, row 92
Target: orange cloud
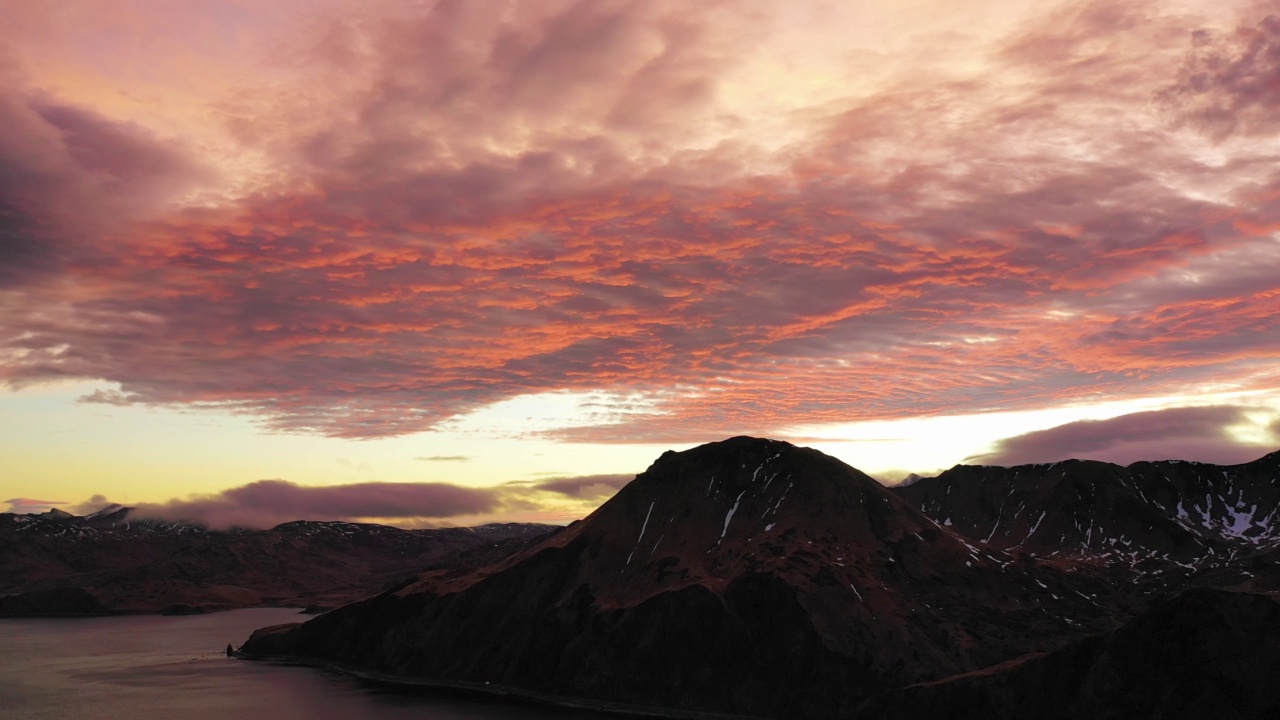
column 479, row 205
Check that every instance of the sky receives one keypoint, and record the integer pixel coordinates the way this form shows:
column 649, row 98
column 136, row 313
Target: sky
column 449, row 262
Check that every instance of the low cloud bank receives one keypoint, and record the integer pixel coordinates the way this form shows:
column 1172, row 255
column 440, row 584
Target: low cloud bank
column 1204, row 434
column 585, row 486
column 267, row 503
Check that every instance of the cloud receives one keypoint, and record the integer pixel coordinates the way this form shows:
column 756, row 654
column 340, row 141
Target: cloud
column 267, row 503
column 1227, row 83
column 470, row 205
column 587, row 487
column 1187, row 433
column 70, row 175
column 92, row 505
column 29, row 505
column 444, row 458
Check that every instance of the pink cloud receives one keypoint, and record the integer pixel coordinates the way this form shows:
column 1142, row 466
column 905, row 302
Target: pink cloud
column 475, row 205
column 1227, row 83
column 70, row 175
column 30, row 505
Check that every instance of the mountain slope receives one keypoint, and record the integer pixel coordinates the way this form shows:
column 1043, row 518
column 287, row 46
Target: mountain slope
column 130, row 565
column 1205, row 653
column 747, row 577
column 1186, row 513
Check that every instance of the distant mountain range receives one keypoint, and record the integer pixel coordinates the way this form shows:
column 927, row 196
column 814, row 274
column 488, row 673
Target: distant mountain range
column 1185, row 511
column 753, row 578
column 55, row 563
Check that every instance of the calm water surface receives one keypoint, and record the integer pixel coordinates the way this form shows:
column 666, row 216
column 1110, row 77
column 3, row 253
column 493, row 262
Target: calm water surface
column 143, row 667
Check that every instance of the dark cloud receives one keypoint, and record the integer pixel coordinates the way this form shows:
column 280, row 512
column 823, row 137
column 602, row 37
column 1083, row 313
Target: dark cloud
column 587, row 487
column 267, row 503
column 1188, row 433
column 69, row 174
column 444, row 458
column 25, row 251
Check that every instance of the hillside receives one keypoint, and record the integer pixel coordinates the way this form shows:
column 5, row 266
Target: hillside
column 747, row 577
column 127, row 565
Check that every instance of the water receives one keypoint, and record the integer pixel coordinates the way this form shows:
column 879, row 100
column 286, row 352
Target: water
column 143, row 667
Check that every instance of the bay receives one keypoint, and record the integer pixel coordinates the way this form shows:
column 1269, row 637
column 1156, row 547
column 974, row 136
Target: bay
column 147, row 666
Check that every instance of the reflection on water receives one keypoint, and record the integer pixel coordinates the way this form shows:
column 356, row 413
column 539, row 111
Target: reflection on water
column 175, row 667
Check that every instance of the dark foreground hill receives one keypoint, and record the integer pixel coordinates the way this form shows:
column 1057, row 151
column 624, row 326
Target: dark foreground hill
column 746, row 577
column 61, row 564
column 1202, row 654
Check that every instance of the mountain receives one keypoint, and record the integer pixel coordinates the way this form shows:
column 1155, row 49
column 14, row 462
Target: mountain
column 57, row 563
column 746, row 577
column 1204, row 653
column 1192, row 515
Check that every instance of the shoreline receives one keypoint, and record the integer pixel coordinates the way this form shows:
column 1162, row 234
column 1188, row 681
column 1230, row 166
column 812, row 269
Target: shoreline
column 495, row 690
column 159, row 613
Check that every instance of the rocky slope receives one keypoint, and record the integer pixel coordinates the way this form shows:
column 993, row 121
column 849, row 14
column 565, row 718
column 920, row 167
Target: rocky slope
column 1182, row 510
column 110, row 562
column 747, row 577
column 1153, row 523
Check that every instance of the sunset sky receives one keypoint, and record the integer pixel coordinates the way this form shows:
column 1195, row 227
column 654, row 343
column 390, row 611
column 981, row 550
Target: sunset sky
column 441, row 262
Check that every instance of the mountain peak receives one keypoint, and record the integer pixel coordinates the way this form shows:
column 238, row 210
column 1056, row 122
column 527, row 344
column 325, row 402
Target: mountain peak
column 790, row 581
column 743, row 506
column 742, row 490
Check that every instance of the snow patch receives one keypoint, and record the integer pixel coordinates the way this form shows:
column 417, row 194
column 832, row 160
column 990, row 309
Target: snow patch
column 655, row 545
column 729, row 516
column 642, row 529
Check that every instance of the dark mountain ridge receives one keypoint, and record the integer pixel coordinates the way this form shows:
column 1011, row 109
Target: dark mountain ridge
column 128, row 564
column 1187, row 514
column 747, row 577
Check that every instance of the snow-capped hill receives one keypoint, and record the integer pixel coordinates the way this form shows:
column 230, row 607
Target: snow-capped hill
column 1235, row 503
column 1187, row 513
